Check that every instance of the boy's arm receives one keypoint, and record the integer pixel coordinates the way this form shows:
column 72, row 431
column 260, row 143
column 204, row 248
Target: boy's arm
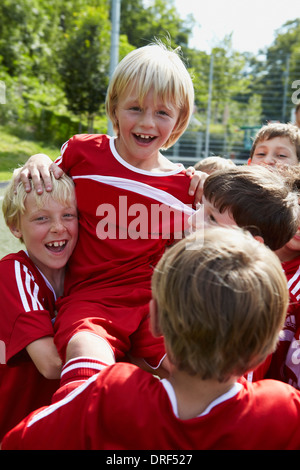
column 44, row 354
column 37, row 168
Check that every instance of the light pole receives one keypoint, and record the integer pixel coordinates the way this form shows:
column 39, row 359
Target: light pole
column 114, row 45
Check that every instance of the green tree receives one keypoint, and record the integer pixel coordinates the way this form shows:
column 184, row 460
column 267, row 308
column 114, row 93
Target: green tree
column 85, row 61
column 276, row 72
column 143, row 21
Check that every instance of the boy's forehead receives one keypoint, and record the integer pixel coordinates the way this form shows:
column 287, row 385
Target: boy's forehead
column 45, row 201
column 283, row 141
column 158, row 99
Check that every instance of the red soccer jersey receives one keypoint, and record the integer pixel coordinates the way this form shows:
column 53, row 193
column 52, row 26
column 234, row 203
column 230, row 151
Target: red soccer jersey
column 127, row 217
column 285, row 365
column 27, row 307
column 124, row 408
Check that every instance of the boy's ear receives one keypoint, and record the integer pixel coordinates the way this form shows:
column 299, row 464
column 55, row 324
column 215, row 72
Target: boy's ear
column 249, row 161
column 259, row 238
column 15, row 231
column 154, row 325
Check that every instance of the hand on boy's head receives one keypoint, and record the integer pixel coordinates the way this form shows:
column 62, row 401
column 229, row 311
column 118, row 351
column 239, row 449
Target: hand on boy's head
column 197, row 182
column 37, row 168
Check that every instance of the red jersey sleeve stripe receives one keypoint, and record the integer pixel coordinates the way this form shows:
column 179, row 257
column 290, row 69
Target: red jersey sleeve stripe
column 28, row 295
column 21, row 286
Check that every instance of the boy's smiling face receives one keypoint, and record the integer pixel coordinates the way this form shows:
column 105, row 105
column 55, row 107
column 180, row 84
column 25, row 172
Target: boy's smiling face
column 143, row 129
column 278, row 150
column 49, row 233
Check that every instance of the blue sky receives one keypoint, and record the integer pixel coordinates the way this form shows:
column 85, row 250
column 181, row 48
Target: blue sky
column 253, row 23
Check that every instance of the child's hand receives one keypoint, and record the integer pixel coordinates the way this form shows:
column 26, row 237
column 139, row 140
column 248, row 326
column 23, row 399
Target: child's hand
column 37, row 168
column 197, row 182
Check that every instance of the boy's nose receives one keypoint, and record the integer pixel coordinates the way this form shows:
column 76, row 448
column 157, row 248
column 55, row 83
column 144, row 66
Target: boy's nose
column 269, row 159
column 147, row 119
column 57, row 226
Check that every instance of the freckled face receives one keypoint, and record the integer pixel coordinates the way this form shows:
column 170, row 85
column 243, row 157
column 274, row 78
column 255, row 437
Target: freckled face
column 50, row 233
column 143, row 129
column 278, row 150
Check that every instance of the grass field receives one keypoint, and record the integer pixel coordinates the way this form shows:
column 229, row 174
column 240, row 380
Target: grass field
column 8, row 243
column 16, row 147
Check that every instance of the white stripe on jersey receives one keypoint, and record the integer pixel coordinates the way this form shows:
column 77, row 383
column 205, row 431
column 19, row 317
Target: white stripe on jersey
column 21, row 286
column 52, row 408
column 62, row 150
column 24, row 288
column 83, row 364
column 142, row 189
column 294, row 277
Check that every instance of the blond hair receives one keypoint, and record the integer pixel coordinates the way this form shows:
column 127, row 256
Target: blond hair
column 156, row 67
column 213, row 163
column 259, row 199
column 272, row 130
column 14, row 202
column 221, row 303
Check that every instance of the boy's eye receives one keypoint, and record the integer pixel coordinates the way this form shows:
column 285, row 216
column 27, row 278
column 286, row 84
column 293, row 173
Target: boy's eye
column 163, row 113
column 212, row 219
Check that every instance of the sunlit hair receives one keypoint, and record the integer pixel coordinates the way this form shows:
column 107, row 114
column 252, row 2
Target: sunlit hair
column 221, row 303
column 213, row 163
column 153, row 67
column 259, row 199
column 14, row 203
column 272, row 130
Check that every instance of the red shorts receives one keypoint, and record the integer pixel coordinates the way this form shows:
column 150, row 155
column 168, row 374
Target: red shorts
column 121, row 319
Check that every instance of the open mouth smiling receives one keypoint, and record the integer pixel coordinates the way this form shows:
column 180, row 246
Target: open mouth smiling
column 144, row 139
column 56, row 247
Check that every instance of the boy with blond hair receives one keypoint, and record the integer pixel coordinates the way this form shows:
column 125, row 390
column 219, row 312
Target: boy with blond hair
column 214, row 163
column 276, row 144
column 219, row 306
column 120, row 180
column 30, row 283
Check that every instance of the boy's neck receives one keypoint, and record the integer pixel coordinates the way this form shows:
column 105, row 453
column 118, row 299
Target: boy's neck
column 159, row 164
column 56, row 279
column 284, row 254
column 194, row 395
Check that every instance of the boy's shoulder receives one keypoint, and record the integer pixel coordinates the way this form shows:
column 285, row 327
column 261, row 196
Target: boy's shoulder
column 15, row 262
column 94, row 139
column 290, row 267
column 20, row 256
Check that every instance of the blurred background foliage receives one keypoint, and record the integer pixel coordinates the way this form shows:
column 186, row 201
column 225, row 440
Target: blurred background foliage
column 54, row 64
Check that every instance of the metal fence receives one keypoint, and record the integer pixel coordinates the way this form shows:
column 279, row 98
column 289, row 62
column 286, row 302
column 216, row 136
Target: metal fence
column 191, row 148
